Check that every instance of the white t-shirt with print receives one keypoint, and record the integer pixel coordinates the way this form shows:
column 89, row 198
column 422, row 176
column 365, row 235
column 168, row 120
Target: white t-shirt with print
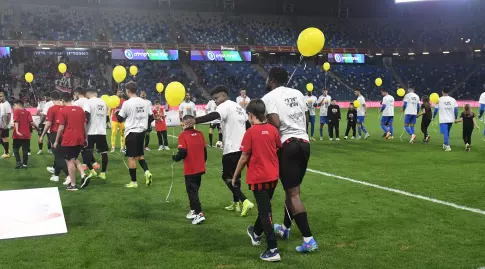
column 233, row 125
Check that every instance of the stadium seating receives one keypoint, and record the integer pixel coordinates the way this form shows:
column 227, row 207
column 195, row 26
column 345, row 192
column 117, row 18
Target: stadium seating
column 270, row 30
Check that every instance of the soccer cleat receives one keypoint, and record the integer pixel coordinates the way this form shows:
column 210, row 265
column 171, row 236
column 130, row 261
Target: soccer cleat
column 345, row 138
column 359, row 137
column 102, row 176
column 131, row 185
column 312, row 139
column 67, row 182
column 112, row 150
column 427, row 138
column 238, row 207
column 148, row 178
column 147, row 149
column 167, row 148
column 85, row 181
column 5, row 156
column 467, row 147
column 191, row 215
column 161, row 148
column 352, row 138
column 92, row 174
column 411, row 141
column 39, row 152
column 24, row 166
column 71, row 187
column 123, row 150
column 321, row 138
column 388, row 135
column 367, row 135
column 447, row 148
column 49, row 151
column 391, row 137
column 231, row 207
column 247, row 205
column 330, row 139
column 308, row 247
column 29, row 154
column 444, row 146
column 51, row 170
column 18, row 166
column 54, row 178
column 338, row 139
column 198, row 218
column 282, row 232
column 255, row 240
column 271, row 255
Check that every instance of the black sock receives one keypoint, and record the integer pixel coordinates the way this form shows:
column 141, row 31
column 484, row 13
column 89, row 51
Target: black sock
column 41, row 146
column 133, row 174
column 143, row 165
column 48, row 145
column 104, row 162
column 147, row 140
column 210, row 140
column 301, row 220
column 220, row 137
column 88, row 158
column 287, row 220
column 236, row 191
column 5, row 146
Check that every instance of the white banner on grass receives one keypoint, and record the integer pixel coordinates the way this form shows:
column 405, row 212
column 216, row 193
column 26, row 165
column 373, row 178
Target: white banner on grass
column 31, row 212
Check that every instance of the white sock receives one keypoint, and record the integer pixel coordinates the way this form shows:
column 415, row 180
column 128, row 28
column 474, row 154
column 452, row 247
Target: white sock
column 257, row 236
column 307, row 239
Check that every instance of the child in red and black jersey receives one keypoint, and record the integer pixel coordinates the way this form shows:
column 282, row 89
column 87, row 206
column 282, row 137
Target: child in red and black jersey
column 259, row 147
column 21, row 134
column 191, row 149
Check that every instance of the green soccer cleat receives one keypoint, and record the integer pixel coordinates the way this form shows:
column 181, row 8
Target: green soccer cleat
column 102, row 176
column 132, row 184
column 92, row 174
column 231, row 207
column 148, row 178
column 238, row 207
column 247, row 205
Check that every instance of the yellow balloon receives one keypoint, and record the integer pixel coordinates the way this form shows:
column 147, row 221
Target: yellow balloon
column 175, row 93
column 119, row 74
column 310, row 41
column 356, row 104
column 160, row 87
column 434, row 98
column 309, row 87
column 105, row 98
column 114, row 101
column 401, row 92
column 378, row 82
column 62, row 68
column 133, row 70
column 326, row 66
column 29, row 77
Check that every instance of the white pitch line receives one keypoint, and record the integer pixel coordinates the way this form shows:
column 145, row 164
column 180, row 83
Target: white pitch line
column 474, row 210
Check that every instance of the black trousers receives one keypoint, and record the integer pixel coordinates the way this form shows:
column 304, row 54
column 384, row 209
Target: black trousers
column 350, row 124
column 264, row 222
column 467, row 135
column 25, row 145
column 162, row 138
column 192, row 185
column 424, row 126
column 333, row 126
column 59, row 160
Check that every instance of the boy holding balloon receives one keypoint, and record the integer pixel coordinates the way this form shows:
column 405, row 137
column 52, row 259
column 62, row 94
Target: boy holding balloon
column 117, row 127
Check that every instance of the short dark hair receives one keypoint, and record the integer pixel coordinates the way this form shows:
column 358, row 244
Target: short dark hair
column 186, row 117
column 279, row 75
column 131, row 86
column 91, row 89
column 18, row 102
column 257, row 108
column 384, row 90
column 80, row 90
column 56, row 95
column 333, row 99
column 156, row 102
column 351, row 103
column 218, row 89
column 356, row 90
column 47, row 94
column 66, row 97
column 446, row 90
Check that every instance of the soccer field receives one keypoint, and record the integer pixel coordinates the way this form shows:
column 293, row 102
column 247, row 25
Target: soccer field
column 355, row 225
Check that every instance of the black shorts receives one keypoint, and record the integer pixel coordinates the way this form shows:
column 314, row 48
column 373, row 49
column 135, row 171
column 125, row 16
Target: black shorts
column 293, row 157
column 229, row 165
column 215, row 126
column 71, row 152
column 99, row 141
column 4, row 133
column 135, row 144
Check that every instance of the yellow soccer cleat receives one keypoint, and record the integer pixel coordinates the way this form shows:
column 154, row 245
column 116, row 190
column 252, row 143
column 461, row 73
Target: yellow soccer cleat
column 102, row 176
column 148, row 178
column 131, row 185
column 247, row 205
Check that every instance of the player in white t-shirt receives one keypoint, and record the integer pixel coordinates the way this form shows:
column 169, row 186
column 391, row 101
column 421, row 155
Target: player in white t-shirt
column 80, row 97
column 387, row 110
column 243, row 100
column 323, row 101
column 5, row 115
column 234, row 122
column 481, row 101
column 137, row 116
column 311, row 102
column 287, row 110
column 361, row 114
column 187, row 107
column 211, row 107
column 96, row 111
column 448, row 111
column 40, row 112
column 143, row 95
column 410, row 108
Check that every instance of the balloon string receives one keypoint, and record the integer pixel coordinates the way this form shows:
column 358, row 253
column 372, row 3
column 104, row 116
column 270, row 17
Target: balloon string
column 296, row 68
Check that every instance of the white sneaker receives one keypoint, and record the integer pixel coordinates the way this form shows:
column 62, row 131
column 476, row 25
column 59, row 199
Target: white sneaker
column 338, row 139
column 321, row 138
column 448, row 148
column 444, row 146
column 366, row 135
column 67, row 182
column 198, row 218
column 39, row 152
column 29, row 154
column 312, row 139
column 352, row 138
column 161, row 148
column 51, row 170
column 359, row 137
column 123, row 150
column 330, row 139
column 411, row 141
column 191, row 215
column 54, row 178
column 467, row 147
column 49, row 151
column 147, row 149
column 112, row 150
column 167, row 148
column 345, row 137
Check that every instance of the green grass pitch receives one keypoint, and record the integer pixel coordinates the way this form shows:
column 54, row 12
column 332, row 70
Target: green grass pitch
column 356, row 226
